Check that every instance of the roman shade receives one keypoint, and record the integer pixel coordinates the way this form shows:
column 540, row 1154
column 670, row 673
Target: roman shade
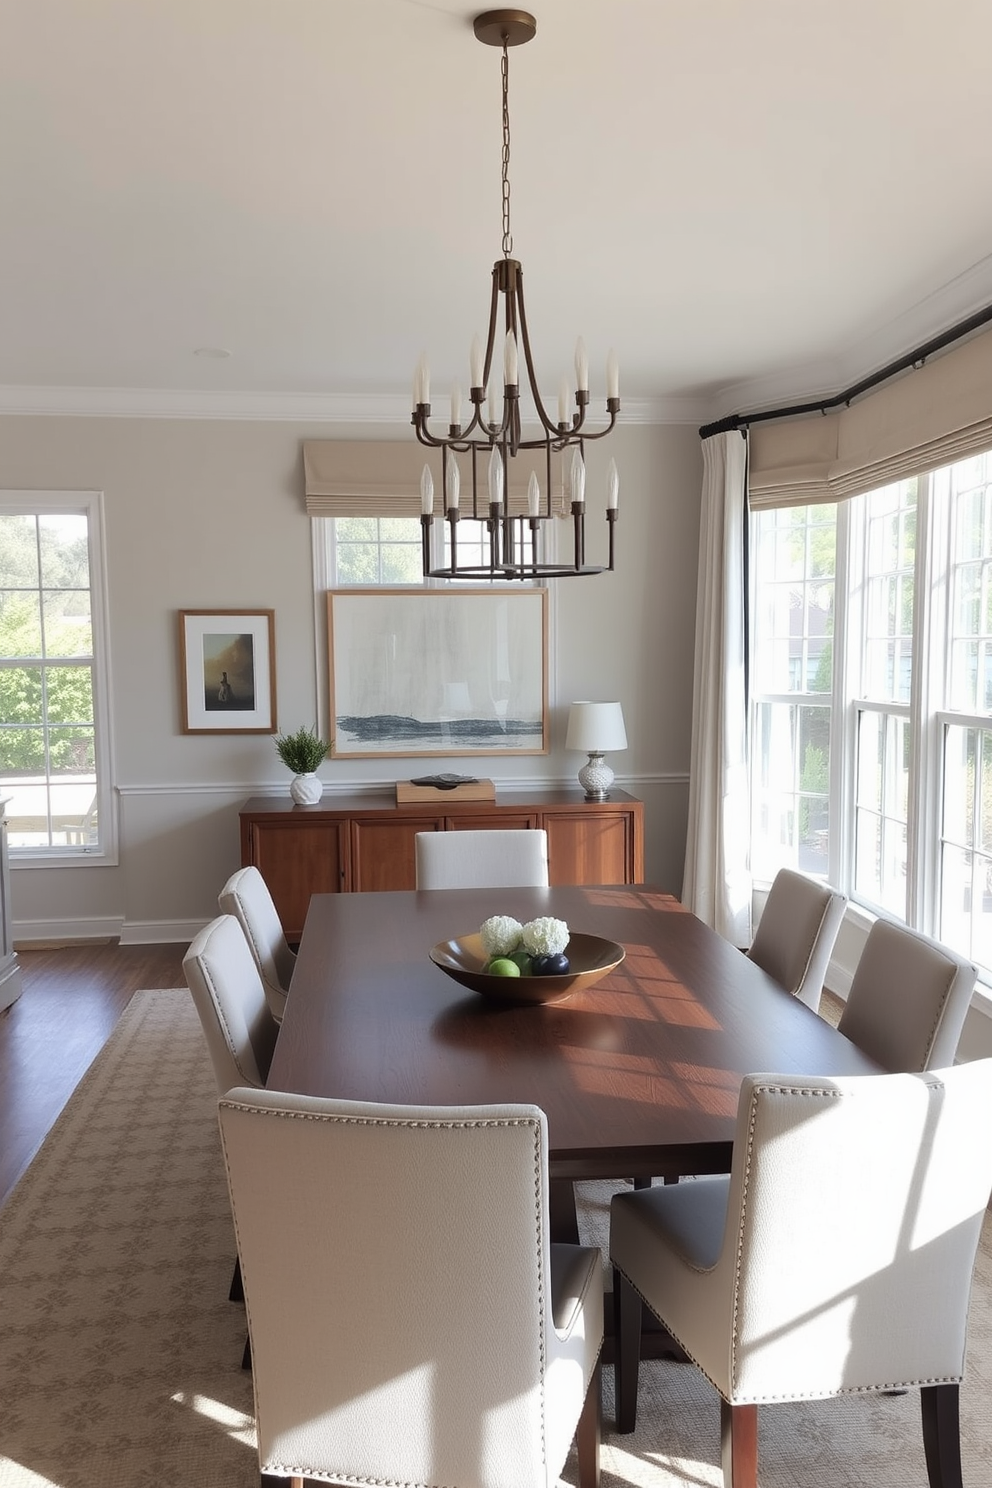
column 381, row 478
column 928, row 417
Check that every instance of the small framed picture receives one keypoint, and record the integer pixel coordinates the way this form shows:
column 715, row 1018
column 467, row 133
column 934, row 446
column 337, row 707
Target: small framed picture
column 227, row 663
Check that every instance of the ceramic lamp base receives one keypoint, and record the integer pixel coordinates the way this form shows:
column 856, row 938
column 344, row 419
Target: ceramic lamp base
column 596, row 778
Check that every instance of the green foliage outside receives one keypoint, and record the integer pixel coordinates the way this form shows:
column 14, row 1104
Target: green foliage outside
column 371, row 550
column 814, row 782
column 60, row 545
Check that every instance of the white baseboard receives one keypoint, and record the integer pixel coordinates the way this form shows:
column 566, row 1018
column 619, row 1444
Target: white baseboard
column 28, row 932
column 161, row 932
column 838, row 980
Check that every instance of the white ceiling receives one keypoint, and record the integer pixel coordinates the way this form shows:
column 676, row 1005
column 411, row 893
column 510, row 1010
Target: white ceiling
column 750, row 201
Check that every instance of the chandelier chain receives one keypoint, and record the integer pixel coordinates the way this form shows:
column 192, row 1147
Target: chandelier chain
column 507, row 238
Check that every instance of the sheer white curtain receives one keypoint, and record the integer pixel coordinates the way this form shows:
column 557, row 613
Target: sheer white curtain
column 717, row 884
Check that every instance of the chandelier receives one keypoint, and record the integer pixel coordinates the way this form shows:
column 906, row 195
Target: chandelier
column 492, row 438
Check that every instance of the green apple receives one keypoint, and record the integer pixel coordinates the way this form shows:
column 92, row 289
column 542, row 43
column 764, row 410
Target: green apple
column 503, row 966
column 522, row 959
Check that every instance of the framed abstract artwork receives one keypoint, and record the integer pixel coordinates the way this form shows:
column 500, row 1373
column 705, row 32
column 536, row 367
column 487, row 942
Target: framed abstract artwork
column 227, row 671
column 438, row 672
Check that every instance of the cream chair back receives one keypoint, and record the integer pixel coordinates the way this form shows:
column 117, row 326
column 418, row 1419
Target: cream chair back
column 230, row 999
column 836, row 1258
column 796, row 933
column 484, row 859
column 408, row 1321
column 908, row 1000
column 246, row 896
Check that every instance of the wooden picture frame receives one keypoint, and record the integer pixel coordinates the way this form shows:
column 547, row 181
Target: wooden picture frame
column 227, row 671
column 437, row 672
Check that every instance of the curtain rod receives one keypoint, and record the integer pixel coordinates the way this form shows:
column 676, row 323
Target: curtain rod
column 824, row 405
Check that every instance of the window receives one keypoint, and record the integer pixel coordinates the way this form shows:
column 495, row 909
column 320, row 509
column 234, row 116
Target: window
column 792, row 687
column 54, row 742
column 387, row 550
column 871, row 707
column 374, row 550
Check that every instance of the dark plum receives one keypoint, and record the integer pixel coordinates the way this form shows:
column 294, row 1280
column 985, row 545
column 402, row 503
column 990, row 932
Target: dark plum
column 549, row 965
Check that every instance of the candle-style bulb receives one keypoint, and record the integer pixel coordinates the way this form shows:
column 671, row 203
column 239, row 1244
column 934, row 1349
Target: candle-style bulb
column 495, row 478
column 612, row 376
column 564, row 398
column 422, row 382
column 456, row 406
column 612, row 486
column 452, row 483
column 510, row 360
column 475, row 362
column 533, row 495
column 578, row 477
column 581, row 366
column 426, row 491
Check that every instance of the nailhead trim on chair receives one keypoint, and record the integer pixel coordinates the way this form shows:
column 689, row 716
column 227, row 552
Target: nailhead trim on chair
column 219, row 1010
column 851, row 1389
column 937, row 1017
column 294, row 1471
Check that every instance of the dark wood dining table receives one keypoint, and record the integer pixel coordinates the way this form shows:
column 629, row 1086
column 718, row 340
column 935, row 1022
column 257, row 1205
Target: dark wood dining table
column 639, row 1076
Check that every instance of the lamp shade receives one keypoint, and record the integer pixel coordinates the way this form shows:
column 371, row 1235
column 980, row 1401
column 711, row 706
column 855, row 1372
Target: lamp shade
column 596, row 727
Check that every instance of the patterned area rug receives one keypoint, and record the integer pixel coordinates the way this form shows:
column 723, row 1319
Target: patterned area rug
column 120, row 1355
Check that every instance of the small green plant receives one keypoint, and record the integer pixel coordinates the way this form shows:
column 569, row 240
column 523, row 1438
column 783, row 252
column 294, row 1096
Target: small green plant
column 303, row 751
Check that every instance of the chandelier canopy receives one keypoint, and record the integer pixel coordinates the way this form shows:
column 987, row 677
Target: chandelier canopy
column 492, row 438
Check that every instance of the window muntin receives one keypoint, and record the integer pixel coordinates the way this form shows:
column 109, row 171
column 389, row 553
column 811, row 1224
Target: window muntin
column 890, row 519
column 909, row 799
column 376, row 550
column 794, row 568
column 881, row 809
column 53, row 727
column 365, row 551
column 885, row 524
column 965, row 911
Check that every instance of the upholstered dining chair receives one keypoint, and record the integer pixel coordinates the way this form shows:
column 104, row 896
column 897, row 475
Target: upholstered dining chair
column 230, row 999
column 908, row 1000
column 835, row 1259
column 246, row 896
column 234, row 1013
column 419, row 1328
column 497, row 858
column 796, row 933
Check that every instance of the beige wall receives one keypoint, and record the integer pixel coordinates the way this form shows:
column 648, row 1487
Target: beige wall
column 209, row 513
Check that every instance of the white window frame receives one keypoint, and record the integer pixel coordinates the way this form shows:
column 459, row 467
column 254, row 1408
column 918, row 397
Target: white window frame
column 104, row 853
column 927, row 711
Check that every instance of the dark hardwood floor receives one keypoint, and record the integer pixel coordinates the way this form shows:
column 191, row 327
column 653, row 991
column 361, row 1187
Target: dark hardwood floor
column 72, row 998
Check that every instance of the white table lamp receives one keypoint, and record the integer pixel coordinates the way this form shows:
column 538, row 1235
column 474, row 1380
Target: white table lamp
column 596, row 728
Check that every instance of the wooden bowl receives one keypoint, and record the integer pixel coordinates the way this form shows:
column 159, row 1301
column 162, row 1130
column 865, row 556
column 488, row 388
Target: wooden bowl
column 591, row 958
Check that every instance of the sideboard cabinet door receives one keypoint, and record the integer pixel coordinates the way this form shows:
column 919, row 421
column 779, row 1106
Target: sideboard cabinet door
column 383, row 851
column 297, row 858
column 593, row 846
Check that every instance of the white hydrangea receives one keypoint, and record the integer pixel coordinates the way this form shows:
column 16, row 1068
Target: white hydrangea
column 545, row 937
column 500, row 935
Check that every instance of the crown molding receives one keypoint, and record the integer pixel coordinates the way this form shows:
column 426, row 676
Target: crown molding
column 383, row 409
column 882, row 343
column 885, row 342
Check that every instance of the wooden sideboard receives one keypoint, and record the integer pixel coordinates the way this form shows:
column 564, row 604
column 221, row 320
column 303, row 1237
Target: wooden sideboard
column 347, row 844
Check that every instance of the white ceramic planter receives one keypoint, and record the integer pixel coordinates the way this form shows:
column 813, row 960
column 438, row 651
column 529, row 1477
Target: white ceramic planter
column 306, row 790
